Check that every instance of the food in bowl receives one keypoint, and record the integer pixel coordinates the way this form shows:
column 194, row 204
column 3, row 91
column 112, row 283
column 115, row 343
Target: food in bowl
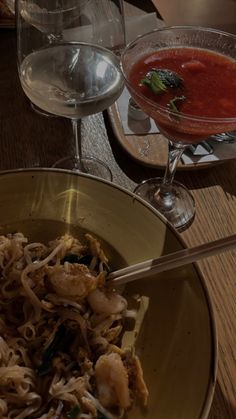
column 61, row 333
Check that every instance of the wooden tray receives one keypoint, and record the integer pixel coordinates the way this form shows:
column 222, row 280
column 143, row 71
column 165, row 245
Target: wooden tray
column 7, row 19
column 149, row 149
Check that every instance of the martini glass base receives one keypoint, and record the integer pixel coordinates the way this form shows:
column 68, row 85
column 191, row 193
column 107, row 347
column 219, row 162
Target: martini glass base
column 177, row 206
column 89, row 165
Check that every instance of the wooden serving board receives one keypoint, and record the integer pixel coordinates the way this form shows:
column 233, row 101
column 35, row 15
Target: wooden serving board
column 149, row 149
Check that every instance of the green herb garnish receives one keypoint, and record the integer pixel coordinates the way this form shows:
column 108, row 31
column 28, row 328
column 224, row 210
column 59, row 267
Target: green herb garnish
column 172, row 104
column 169, row 78
column 159, row 80
column 73, row 413
column 154, row 82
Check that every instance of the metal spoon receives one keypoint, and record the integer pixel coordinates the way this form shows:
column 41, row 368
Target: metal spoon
column 224, row 137
column 171, row 261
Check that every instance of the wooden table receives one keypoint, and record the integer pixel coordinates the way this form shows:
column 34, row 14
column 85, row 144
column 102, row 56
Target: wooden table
column 219, row 14
column 30, row 140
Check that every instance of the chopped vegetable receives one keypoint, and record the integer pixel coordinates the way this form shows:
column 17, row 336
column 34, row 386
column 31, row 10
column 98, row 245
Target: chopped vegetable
column 154, row 82
column 169, row 78
column 158, row 80
column 73, row 413
column 172, row 104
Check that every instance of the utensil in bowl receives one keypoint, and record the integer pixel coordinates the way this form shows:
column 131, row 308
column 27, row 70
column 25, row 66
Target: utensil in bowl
column 177, row 342
column 167, row 262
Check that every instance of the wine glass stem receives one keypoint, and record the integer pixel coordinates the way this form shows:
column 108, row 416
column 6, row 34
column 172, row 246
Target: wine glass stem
column 76, row 126
column 175, row 151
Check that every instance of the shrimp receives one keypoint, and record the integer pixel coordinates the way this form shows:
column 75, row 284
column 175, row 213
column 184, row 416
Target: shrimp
column 72, row 280
column 95, row 248
column 112, row 381
column 70, row 244
column 106, row 302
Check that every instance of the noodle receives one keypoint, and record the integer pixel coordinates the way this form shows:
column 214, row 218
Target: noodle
column 61, row 329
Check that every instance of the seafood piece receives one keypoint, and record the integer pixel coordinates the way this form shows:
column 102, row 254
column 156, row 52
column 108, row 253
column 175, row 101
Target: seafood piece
column 108, row 301
column 113, row 333
column 95, row 248
column 112, row 381
column 136, row 380
column 72, row 280
column 70, row 244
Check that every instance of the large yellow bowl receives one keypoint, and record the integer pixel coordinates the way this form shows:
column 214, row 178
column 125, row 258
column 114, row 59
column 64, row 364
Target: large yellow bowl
column 177, row 345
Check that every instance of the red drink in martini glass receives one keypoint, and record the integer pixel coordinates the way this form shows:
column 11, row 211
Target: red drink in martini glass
column 185, row 79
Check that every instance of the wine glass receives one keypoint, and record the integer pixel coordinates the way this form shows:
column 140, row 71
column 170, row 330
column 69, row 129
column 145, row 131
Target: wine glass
column 184, row 78
column 68, row 63
column 48, row 20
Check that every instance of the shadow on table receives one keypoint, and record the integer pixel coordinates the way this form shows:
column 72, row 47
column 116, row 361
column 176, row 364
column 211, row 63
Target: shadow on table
column 222, row 175
column 221, row 407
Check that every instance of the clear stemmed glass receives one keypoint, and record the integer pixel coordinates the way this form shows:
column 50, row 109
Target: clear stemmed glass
column 46, row 16
column 182, row 125
column 77, row 72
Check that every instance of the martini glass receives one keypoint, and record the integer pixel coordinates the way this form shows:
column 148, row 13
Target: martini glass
column 181, row 119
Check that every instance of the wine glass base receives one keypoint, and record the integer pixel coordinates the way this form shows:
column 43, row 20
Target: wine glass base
column 41, row 111
column 178, row 206
column 89, row 165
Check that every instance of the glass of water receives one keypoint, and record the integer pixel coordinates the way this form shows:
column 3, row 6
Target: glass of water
column 68, row 60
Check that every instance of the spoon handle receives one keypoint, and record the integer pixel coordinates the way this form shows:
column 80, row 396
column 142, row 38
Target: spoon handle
column 171, row 261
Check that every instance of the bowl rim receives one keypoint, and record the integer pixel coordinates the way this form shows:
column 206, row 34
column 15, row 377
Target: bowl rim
column 213, row 329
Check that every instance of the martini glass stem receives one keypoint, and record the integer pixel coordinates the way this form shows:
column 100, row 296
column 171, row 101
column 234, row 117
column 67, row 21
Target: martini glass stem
column 175, row 151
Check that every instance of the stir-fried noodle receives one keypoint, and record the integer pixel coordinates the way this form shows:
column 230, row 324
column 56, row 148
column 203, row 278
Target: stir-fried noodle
column 60, row 332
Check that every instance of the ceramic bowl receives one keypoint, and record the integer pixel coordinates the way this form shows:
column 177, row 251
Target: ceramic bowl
column 177, row 342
